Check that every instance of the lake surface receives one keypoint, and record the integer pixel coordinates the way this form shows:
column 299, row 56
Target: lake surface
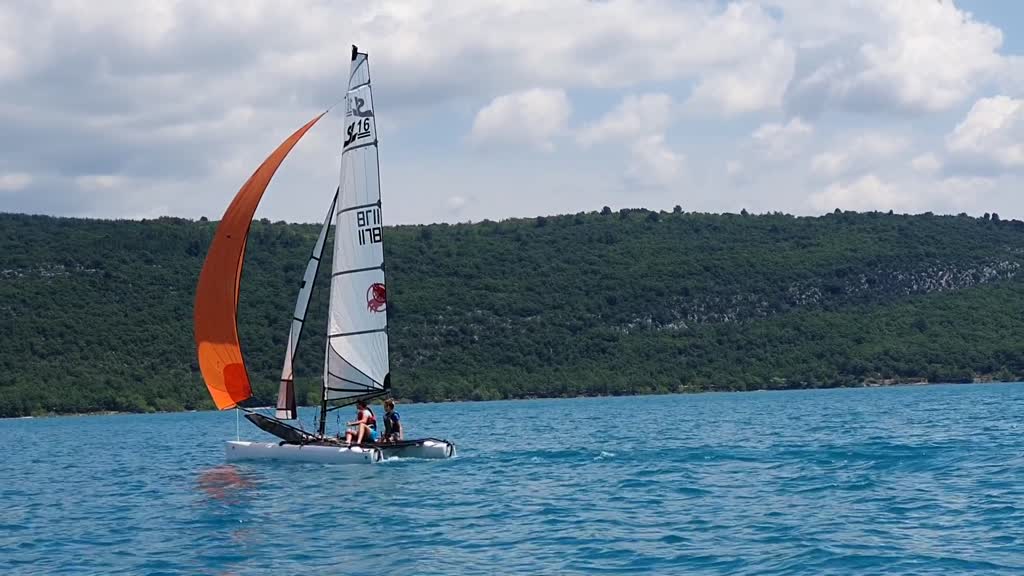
column 919, row 480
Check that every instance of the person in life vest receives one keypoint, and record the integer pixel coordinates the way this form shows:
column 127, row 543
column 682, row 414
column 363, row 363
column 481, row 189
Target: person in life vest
column 392, row 422
column 365, row 425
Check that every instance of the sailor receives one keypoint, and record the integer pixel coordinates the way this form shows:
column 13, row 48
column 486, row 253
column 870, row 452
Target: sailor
column 392, row 422
column 365, row 424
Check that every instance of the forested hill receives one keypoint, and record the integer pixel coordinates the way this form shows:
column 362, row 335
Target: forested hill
column 97, row 315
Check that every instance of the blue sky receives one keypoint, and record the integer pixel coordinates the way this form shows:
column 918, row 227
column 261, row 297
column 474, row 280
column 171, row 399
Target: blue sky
column 1008, row 16
column 496, row 109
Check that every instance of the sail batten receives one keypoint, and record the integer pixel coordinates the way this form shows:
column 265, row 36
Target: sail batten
column 354, row 270
column 359, row 207
column 356, row 362
column 215, row 326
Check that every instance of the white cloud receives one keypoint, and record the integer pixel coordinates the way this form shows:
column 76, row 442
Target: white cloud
column 636, row 116
column 639, row 123
column 456, row 202
column 890, row 54
column 457, row 205
column 572, row 43
column 869, row 192
column 10, row 60
column 653, row 164
column 992, row 133
column 14, row 181
column 777, row 141
column 121, row 108
column 865, row 193
column 926, row 164
column 1010, row 78
column 94, row 182
column 934, row 58
column 829, row 163
column 956, row 194
column 859, row 152
column 758, row 83
column 878, row 145
column 532, row 117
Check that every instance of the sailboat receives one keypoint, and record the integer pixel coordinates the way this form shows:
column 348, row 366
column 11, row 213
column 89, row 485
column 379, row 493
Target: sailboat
column 356, row 358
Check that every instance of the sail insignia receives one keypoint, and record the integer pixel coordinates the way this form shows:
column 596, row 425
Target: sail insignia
column 356, row 363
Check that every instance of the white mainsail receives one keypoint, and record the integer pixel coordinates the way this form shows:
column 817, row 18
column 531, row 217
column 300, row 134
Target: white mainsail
column 286, row 393
column 356, row 362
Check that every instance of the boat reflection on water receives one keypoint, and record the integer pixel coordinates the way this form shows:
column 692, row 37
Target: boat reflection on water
column 224, row 495
column 227, row 484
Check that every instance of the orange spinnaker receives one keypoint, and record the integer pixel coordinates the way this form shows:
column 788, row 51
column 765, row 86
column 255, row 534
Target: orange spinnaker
column 214, row 315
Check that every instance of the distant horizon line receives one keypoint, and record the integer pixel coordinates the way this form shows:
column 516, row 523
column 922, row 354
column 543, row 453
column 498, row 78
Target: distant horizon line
column 742, row 212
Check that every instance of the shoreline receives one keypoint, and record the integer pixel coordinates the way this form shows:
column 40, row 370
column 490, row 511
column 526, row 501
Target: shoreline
column 868, row 384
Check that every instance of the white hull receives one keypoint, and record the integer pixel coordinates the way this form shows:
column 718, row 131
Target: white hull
column 430, row 449
column 242, row 450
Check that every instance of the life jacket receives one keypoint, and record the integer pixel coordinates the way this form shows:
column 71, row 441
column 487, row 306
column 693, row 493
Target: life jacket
column 391, row 423
column 371, row 420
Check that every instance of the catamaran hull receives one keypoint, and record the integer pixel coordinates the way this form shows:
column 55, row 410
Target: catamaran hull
column 429, row 449
column 241, row 450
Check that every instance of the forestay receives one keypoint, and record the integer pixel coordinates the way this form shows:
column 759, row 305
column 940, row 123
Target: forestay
column 356, row 363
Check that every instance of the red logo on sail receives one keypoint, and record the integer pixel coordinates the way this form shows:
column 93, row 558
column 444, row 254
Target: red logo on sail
column 376, row 297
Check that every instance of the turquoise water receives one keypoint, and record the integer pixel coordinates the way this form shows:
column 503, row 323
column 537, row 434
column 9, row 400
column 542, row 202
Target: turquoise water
column 922, row 480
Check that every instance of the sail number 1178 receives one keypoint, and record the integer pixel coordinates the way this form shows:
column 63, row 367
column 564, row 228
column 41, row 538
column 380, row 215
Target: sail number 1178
column 368, row 226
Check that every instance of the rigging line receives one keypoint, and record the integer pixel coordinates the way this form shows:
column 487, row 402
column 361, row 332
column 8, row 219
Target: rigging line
column 331, row 107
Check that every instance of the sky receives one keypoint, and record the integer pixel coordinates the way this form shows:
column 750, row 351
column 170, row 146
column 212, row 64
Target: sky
column 491, row 109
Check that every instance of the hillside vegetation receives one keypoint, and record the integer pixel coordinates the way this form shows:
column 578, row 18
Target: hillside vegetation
column 97, row 314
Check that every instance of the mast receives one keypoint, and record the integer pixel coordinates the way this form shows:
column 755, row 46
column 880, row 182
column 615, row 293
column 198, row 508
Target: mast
column 356, row 359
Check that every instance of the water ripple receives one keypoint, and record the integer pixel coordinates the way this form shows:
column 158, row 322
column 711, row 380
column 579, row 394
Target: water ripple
column 922, row 480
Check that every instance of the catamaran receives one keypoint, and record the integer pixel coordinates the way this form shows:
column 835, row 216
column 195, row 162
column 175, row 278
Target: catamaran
column 356, row 359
